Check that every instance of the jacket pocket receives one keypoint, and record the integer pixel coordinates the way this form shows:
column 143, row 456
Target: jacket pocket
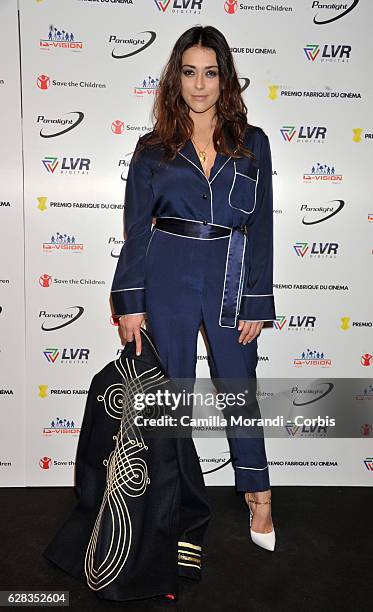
column 242, row 194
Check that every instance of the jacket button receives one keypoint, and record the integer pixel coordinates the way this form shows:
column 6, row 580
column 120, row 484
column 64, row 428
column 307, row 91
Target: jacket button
column 204, row 222
column 204, row 196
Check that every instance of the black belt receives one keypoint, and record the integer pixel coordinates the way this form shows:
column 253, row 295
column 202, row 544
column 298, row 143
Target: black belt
column 233, row 280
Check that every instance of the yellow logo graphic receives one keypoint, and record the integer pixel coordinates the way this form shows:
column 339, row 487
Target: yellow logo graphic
column 357, row 134
column 345, row 323
column 43, row 390
column 42, row 203
column 273, row 92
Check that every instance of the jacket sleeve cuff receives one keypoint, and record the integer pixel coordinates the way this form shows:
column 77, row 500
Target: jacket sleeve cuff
column 128, row 301
column 257, row 308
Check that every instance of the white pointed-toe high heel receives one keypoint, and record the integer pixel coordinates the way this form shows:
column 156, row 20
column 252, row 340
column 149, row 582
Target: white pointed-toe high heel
column 265, row 540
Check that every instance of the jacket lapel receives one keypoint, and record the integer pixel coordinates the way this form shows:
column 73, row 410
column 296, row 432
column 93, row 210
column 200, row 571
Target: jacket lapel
column 189, row 152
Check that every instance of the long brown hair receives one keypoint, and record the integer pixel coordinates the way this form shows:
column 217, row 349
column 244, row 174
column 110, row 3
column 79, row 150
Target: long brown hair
column 173, row 125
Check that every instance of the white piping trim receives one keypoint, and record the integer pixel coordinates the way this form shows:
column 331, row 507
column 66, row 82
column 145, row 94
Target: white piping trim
column 131, row 289
column 150, row 239
column 221, row 168
column 246, row 176
column 258, row 295
column 256, row 320
column 240, row 285
column 250, row 468
column 231, row 189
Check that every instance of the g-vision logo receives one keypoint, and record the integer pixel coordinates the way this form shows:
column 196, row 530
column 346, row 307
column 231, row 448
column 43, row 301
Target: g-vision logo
column 340, row 9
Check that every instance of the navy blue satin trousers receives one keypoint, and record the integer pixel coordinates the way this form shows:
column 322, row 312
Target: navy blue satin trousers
column 184, row 279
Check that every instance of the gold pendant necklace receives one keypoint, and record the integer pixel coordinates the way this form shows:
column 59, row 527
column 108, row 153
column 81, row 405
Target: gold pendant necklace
column 202, row 152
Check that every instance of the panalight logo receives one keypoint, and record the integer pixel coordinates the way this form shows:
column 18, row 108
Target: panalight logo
column 43, row 81
column 328, row 53
column 68, row 123
column 66, row 318
column 136, row 44
column 324, row 10
column 59, row 38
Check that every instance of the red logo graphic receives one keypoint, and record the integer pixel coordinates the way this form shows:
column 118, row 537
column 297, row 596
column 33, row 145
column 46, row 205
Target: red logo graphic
column 230, row 6
column 45, row 463
column 117, row 127
column 366, row 429
column 43, row 81
column 45, row 280
column 367, row 359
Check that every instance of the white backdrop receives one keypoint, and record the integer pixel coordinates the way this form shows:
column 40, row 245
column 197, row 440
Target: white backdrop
column 87, row 73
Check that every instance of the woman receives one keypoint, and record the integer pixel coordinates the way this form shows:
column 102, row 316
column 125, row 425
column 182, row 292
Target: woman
column 206, row 175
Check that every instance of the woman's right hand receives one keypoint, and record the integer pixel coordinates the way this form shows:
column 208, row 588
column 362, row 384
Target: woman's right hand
column 130, row 326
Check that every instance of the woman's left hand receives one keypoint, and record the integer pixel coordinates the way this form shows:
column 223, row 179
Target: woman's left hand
column 250, row 330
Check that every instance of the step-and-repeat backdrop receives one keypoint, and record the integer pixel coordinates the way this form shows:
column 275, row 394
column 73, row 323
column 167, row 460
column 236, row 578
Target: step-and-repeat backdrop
column 77, row 83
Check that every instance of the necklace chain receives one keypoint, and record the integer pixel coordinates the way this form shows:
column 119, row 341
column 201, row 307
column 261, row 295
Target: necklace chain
column 202, row 152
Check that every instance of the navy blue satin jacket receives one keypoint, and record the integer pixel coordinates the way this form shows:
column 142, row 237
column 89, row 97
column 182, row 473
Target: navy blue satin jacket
column 238, row 193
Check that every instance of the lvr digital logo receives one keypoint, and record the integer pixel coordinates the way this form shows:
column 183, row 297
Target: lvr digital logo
column 305, row 133
column 328, row 53
column 163, row 5
column 68, row 355
column 295, row 322
column 316, row 249
column 69, row 165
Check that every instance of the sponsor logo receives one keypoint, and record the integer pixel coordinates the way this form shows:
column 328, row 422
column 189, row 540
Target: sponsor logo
column 311, row 358
column 320, row 173
column 43, row 201
column 316, row 249
column 328, row 53
column 116, row 246
column 366, row 360
column 148, row 87
column 67, row 124
column 66, row 318
column 366, row 394
column 46, row 281
column 61, row 39
column 232, row 6
column 295, row 323
column 4, row 204
column 368, row 462
column 61, row 426
column 359, row 134
column 6, row 392
column 69, row 165
column 327, row 12
column 63, row 242
column 326, row 211
column 68, row 355
column 127, row 47
column 346, row 323
column 179, row 6
column 366, row 429
column 44, row 81
column 280, row 91
column 310, row 287
column 305, row 133
column 255, row 50
column 43, row 391
column 117, row 126
column 45, row 463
